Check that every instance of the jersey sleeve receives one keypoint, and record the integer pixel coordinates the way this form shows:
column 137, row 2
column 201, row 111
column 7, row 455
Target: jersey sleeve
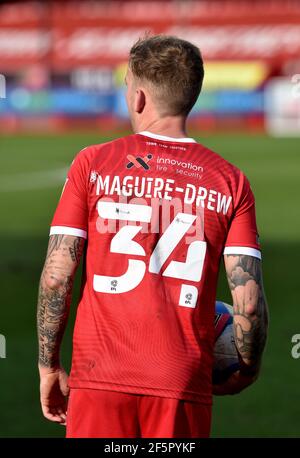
column 71, row 215
column 242, row 237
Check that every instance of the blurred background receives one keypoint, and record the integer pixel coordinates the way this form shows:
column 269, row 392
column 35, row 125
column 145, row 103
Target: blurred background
column 62, row 66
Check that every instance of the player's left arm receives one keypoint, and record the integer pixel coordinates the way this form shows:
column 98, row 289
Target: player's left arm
column 250, row 318
column 242, row 257
column 55, row 291
column 250, row 310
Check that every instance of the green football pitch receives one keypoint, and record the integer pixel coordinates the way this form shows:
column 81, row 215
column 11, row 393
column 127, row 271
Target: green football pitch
column 32, row 170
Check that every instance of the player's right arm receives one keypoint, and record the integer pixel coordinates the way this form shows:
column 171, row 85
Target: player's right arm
column 55, row 291
column 66, row 244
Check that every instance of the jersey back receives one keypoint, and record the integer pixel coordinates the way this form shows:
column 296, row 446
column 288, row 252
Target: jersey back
column 158, row 214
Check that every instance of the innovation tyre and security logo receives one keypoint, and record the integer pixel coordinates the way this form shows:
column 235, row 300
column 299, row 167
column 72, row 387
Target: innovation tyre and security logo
column 138, row 161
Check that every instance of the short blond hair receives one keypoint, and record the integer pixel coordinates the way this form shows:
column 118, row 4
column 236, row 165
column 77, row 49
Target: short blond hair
column 174, row 69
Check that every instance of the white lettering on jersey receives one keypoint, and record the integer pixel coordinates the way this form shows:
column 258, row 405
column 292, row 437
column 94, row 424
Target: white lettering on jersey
column 223, row 203
column 123, row 243
column 161, row 188
column 124, row 283
column 169, row 240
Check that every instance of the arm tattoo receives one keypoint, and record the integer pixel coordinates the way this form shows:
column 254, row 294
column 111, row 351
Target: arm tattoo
column 55, row 293
column 54, row 243
column 76, row 250
column 53, row 311
column 249, row 306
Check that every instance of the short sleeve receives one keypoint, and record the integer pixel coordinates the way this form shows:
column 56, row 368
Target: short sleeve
column 242, row 237
column 71, row 215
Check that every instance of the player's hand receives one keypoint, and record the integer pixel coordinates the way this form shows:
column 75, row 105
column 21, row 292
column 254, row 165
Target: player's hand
column 236, row 383
column 53, row 394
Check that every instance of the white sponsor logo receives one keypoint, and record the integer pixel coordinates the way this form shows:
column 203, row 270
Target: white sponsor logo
column 180, row 167
column 182, row 164
column 93, row 176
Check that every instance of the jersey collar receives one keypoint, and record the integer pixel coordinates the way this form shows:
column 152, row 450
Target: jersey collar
column 167, row 139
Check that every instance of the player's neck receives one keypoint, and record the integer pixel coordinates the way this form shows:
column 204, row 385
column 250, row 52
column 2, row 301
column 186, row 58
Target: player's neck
column 169, row 126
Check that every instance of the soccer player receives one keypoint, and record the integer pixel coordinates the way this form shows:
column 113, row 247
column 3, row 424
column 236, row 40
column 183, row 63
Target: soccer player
column 153, row 213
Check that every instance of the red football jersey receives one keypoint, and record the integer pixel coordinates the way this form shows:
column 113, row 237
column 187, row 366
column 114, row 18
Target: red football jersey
column 158, row 214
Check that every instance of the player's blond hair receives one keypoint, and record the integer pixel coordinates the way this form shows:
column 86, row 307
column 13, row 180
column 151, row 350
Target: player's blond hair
column 173, row 69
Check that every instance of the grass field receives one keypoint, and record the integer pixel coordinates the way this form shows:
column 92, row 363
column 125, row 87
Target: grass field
column 32, row 170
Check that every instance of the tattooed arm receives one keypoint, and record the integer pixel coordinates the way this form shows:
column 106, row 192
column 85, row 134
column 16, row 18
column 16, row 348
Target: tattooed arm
column 249, row 307
column 63, row 257
column 250, row 319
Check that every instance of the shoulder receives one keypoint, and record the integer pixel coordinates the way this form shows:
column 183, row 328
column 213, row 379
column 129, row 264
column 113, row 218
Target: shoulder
column 227, row 175
column 91, row 151
column 219, row 161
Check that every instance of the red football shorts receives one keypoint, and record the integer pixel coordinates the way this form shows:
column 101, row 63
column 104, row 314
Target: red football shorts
column 100, row 413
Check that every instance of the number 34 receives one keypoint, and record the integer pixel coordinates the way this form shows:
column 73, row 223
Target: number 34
column 123, row 243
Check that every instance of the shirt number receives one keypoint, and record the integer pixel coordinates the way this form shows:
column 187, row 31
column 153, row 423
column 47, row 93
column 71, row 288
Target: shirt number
column 123, row 243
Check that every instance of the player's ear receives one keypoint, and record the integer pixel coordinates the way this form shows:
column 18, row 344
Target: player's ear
column 140, row 101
